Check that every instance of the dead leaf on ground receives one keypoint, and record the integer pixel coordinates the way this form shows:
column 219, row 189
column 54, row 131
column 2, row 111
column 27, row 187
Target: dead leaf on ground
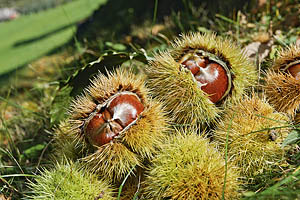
column 261, row 3
column 157, row 28
column 258, row 51
column 262, row 37
column 2, row 197
column 298, row 41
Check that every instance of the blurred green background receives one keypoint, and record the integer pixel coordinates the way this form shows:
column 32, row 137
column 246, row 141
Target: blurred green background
column 31, row 36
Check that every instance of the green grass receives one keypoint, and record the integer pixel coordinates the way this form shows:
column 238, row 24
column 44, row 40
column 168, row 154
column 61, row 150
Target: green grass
column 30, row 37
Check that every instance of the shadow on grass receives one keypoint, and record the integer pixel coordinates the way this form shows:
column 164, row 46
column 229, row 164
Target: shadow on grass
column 120, row 15
column 5, row 77
column 43, row 36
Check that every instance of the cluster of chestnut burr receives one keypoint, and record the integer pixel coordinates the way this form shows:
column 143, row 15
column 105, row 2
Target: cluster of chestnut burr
column 192, row 127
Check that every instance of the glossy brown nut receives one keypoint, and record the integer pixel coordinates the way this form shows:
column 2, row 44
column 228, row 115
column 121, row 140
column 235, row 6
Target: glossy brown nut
column 98, row 131
column 192, row 66
column 202, row 62
column 96, row 123
column 211, row 75
column 109, row 133
column 295, row 71
column 104, row 137
column 118, row 114
column 106, row 115
column 216, row 80
column 125, row 108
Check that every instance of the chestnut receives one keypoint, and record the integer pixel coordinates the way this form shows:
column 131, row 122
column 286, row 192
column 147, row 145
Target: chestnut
column 213, row 78
column 282, row 81
column 125, row 108
column 294, row 70
column 119, row 112
column 199, row 77
column 113, row 126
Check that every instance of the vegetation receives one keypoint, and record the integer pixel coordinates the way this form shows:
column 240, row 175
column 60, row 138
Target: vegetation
column 34, row 99
column 29, row 37
column 31, row 6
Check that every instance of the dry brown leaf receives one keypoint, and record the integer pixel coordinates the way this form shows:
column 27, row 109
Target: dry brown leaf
column 157, row 28
column 261, row 3
column 298, row 41
column 258, row 51
column 2, row 197
column 262, row 37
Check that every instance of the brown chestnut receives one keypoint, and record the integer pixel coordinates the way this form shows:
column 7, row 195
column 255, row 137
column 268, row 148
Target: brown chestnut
column 294, row 70
column 98, row 131
column 120, row 111
column 212, row 76
column 125, row 108
column 214, row 80
column 192, row 66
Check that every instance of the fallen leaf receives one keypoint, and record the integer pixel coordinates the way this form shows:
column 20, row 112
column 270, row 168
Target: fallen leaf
column 262, row 37
column 258, row 51
column 261, row 3
column 298, row 41
column 157, row 28
column 2, row 197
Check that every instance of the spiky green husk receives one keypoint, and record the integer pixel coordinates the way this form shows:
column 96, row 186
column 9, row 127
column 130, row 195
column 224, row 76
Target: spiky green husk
column 188, row 167
column 177, row 88
column 282, row 89
column 182, row 97
column 297, row 119
column 251, row 126
column 286, row 56
column 67, row 182
column 132, row 187
column 66, row 143
column 115, row 159
column 283, row 92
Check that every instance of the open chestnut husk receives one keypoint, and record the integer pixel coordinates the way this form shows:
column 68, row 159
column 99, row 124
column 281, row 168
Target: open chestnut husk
column 213, row 76
column 114, row 126
column 282, row 81
column 199, row 76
